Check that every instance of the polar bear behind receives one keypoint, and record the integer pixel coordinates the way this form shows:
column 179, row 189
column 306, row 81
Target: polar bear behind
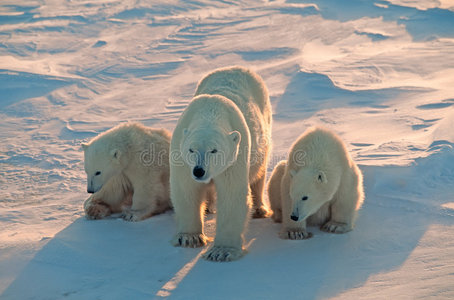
column 318, row 185
column 222, row 139
column 128, row 171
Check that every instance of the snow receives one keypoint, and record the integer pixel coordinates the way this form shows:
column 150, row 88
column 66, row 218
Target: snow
column 379, row 73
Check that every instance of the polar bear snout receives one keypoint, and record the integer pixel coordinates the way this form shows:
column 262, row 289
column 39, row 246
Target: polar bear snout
column 91, row 189
column 93, row 185
column 198, row 172
column 294, row 217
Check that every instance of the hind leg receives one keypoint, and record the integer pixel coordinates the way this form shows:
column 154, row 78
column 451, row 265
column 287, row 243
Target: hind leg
column 259, row 210
column 210, row 202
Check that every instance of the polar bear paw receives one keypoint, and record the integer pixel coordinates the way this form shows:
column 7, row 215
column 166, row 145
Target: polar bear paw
column 189, row 240
column 210, row 208
column 96, row 210
column 260, row 212
column 132, row 215
column 217, row 253
column 295, row 234
column 336, row 227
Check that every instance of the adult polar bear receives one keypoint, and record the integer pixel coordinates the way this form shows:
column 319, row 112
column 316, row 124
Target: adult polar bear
column 222, row 138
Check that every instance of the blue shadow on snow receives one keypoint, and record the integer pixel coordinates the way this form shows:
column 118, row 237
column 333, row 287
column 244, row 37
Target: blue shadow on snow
column 17, row 86
column 308, row 93
column 114, row 259
column 421, row 24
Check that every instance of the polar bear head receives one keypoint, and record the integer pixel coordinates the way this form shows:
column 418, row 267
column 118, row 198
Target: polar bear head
column 100, row 163
column 309, row 190
column 209, row 151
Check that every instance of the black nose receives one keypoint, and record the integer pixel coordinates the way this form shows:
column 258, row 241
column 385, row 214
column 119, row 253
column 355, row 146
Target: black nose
column 90, row 191
column 294, row 218
column 198, row 172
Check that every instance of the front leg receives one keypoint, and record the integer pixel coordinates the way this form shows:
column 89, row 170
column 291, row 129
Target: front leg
column 187, row 203
column 143, row 205
column 295, row 231
column 344, row 206
column 109, row 199
column 232, row 215
column 290, row 229
column 96, row 209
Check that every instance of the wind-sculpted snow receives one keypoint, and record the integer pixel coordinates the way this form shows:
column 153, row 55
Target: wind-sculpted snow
column 378, row 73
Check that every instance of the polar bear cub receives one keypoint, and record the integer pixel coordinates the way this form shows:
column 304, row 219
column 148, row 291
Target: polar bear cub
column 128, row 171
column 222, row 139
column 318, row 185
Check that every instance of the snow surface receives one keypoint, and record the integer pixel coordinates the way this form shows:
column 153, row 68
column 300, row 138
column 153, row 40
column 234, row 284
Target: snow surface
column 379, row 73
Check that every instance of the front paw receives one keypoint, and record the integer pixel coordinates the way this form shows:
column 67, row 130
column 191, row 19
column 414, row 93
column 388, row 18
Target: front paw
column 295, row 234
column 210, row 209
column 96, row 210
column 335, row 227
column 189, row 240
column 260, row 212
column 131, row 215
column 221, row 254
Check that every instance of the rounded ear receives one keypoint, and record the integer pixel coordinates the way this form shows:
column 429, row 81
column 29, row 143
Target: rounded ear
column 292, row 173
column 84, row 146
column 321, row 177
column 115, row 153
column 235, row 137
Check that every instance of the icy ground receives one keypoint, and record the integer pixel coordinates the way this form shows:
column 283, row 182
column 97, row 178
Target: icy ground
column 380, row 73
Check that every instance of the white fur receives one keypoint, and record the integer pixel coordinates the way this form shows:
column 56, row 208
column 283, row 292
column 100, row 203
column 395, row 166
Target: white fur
column 319, row 168
column 225, row 131
column 128, row 171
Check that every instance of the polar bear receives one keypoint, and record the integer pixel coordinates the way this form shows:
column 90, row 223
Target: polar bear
column 319, row 185
column 222, row 139
column 128, row 171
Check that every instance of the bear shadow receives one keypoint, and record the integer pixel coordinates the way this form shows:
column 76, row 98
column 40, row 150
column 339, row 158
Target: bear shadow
column 390, row 226
column 105, row 259
column 114, row 259
column 309, row 93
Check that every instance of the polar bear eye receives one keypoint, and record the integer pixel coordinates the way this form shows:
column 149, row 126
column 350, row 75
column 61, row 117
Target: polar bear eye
column 190, row 150
column 304, row 198
column 98, row 173
column 214, row 151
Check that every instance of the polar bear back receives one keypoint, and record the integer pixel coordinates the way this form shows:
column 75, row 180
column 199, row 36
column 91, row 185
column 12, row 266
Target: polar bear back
column 135, row 142
column 248, row 91
column 237, row 84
